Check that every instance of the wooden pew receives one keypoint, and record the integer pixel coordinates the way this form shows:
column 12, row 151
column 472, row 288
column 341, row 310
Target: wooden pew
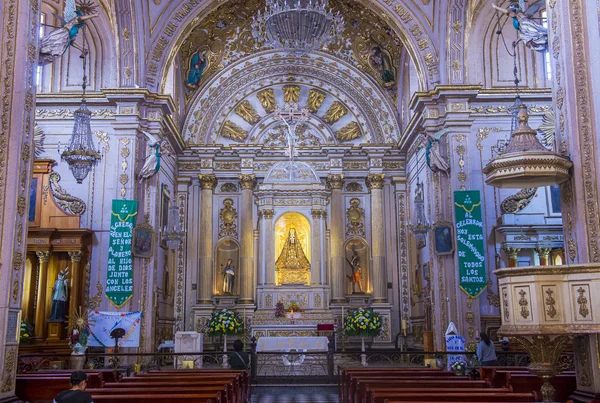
column 450, row 397
column 564, row 384
column 364, row 390
column 108, row 375
column 37, row 388
column 160, row 398
column 497, row 375
column 151, row 392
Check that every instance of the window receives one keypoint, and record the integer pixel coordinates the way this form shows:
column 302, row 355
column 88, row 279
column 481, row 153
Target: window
column 547, row 60
column 40, row 69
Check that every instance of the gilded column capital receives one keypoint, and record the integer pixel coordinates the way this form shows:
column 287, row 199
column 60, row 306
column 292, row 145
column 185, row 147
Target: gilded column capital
column 375, row 181
column 247, row 181
column 268, row 214
column 43, row 256
column 512, row 253
column 76, row 256
column 544, row 252
column 208, row 181
column 335, row 181
column 317, row 213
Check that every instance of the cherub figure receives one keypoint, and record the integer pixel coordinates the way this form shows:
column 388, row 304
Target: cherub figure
column 56, row 43
column 531, row 32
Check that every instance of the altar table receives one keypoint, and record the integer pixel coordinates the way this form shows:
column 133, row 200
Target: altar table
column 292, row 343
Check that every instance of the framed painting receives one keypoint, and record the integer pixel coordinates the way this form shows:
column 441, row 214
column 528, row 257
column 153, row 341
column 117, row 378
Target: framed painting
column 443, row 239
column 143, row 241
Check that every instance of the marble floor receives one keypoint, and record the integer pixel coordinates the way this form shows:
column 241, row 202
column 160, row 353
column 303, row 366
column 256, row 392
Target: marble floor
column 295, row 394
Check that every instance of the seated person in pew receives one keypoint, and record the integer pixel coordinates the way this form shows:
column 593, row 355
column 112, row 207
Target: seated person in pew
column 77, row 393
column 239, row 359
column 486, row 353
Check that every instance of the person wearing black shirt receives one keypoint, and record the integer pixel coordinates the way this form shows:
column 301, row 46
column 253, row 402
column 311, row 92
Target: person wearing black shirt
column 239, row 359
column 77, row 393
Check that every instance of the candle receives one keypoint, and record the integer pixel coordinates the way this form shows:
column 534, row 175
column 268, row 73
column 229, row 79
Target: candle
column 404, row 327
column 342, row 316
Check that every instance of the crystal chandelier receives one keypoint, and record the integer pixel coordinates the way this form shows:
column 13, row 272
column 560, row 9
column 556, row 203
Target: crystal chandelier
column 174, row 232
column 297, row 25
column 80, row 153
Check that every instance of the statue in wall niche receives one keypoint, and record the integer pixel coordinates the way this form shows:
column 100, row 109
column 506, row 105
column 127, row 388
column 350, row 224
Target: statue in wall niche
column 152, row 163
column 228, row 274
column 534, row 34
column 433, row 155
column 56, row 43
column 60, row 295
column 355, row 278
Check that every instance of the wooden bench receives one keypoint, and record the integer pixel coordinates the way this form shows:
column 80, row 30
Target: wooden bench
column 40, row 388
column 564, row 384
column 160, row 398
column 365, row 389
column 450, row 397
column 226, row 396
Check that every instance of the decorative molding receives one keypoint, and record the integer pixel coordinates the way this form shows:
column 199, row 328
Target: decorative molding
column 375, row 181
column 335, row 181
column 517, row 202
column 228, row 219
column 208, row 181
column 69, row 204
column 229, row 187
column 354, row 187
column 355, row 218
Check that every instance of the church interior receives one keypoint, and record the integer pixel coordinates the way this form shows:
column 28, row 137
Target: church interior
column 364, row 185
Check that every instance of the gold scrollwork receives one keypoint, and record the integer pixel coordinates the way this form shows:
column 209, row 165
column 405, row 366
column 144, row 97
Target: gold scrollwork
column 70, row 204
column 247, row 112
column 375, row 181
column 505, row 303
column 227, row 219
column 355, row 215
column 582, row 301
column 315, row 99
column 550, row 304
column 291, row 93
column 524, row 304
column 335, row 112
column 267, row 99
column 234, row 132
column 349, row 132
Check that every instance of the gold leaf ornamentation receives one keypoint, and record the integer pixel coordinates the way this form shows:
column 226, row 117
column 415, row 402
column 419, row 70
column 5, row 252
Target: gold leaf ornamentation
column 335, row 112
column 349, row 132
column 234, row 132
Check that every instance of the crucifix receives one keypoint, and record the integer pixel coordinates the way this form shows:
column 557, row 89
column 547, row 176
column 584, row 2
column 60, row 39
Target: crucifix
column 291, row 115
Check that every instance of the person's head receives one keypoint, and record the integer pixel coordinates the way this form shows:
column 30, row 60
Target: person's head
column 79, row 380
column 238, row 345
column 485, row 338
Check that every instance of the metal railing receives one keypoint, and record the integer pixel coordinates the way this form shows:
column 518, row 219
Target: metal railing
column 269, row 367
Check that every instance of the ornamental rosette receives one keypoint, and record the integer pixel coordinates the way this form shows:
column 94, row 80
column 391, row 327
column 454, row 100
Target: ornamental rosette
column 363, row 322
column 225, row 322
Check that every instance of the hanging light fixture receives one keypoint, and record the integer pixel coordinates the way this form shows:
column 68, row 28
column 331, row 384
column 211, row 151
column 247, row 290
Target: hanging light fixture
column 80, row 153
column 174, row 232
column 297, row 25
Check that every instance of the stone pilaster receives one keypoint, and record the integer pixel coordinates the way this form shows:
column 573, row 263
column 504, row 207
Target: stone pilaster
column 316, row 275
column 76, row 286
column 181, row 254
column 247, row 183
column 42, row 290
column 573, row 42
column 336, row 182
column 375, row 184
column 208, row 183
column 19, row 53
column 193, row 245
column 269, row 247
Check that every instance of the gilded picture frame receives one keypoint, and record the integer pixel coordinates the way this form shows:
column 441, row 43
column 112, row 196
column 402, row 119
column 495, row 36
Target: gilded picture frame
column 143, row 241
column 443, row 238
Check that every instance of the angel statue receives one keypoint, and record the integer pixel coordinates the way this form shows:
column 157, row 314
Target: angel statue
column 534, row 34
column 58, row 41
column 434, row 158
column 60, row 295
column 152, row 163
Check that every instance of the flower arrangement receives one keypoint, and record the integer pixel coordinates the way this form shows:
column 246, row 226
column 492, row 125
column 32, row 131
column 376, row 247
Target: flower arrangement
column 225, row 322
column 458, row 366
column 294, row 307
column 279, row 310
column 362, row 322
column 26, row 334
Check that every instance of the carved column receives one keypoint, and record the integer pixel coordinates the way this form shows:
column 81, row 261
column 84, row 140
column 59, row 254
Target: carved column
column 573, row 42
column 544, row 254
column 40, row 305
column 269, row 247
column 336, row 182
column 512, row 254
column 315, row 276
column 208, row 183
column 19, row 32
column 375, row 185
column 248, row 183
column 75, row 288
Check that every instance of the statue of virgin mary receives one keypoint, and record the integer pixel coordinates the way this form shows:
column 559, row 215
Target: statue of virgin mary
column 292, row 257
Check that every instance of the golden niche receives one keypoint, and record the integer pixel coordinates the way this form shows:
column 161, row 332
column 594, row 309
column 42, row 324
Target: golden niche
column 292, row 244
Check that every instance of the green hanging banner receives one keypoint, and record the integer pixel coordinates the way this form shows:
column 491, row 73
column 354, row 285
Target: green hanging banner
column 119, row 277
column 470, row 242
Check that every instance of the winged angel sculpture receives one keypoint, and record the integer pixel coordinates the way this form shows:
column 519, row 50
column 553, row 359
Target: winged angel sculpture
column 56, row 43
column 152, row 162
column 534, row 34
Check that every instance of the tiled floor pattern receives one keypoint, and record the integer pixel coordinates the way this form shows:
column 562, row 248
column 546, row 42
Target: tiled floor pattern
column 295, row 394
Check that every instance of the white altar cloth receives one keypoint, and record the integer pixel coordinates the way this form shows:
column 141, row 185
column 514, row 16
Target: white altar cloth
column 286, row 344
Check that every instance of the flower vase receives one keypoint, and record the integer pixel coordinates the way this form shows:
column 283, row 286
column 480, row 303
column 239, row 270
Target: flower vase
column 225, row 363
column 363, row 356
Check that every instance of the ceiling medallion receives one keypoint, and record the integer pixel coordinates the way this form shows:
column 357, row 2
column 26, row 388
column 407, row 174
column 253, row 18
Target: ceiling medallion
column 299, row 26
column 526, row 161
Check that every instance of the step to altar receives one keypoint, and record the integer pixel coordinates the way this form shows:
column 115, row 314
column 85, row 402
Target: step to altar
column 264, row 323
